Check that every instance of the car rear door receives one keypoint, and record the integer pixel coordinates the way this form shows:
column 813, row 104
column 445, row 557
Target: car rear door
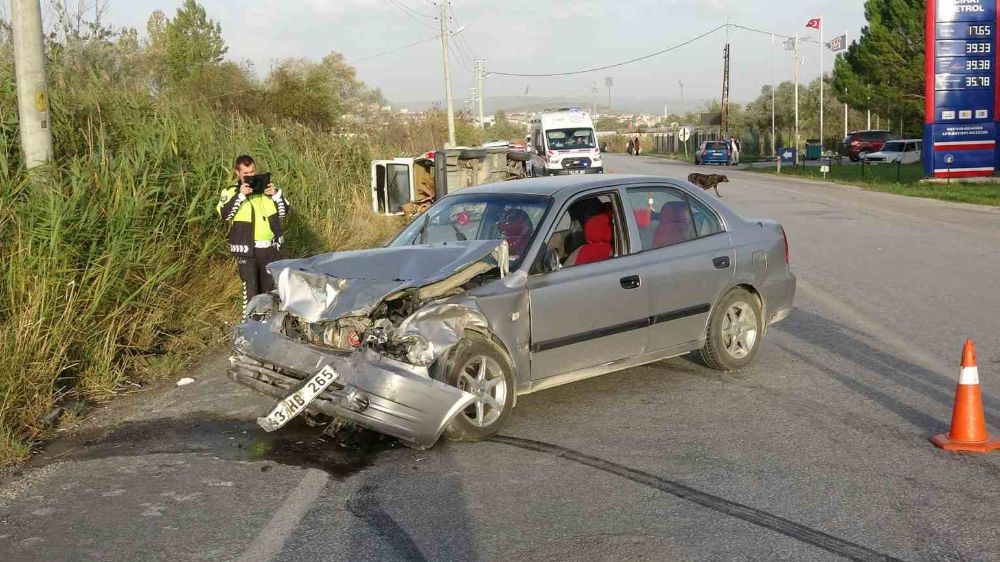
column 687, row 261
column 590, row 314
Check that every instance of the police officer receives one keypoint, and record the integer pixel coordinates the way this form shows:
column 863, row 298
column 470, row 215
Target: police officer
column 255, row 227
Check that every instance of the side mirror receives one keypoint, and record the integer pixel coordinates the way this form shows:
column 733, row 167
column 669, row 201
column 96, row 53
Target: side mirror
column 551, row 260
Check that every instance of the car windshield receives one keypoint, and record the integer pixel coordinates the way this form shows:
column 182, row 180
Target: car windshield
column 565, row 139
column 717, row 145
column 486, row 216
column 893, row 146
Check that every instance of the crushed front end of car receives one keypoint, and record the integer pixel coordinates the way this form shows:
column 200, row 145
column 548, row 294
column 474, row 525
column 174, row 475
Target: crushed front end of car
column 374, row 321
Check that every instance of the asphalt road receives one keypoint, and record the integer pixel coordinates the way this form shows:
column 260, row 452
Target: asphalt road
column 818, row 451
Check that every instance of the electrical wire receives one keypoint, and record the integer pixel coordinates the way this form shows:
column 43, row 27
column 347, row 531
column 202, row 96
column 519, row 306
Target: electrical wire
column 615, row 65
column 396, row 50
column 411, row 14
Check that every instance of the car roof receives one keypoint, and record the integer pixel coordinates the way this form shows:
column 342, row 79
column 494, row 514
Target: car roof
column 554, row 185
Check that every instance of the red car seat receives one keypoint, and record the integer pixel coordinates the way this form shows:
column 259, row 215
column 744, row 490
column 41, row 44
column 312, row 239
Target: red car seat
column 675, row 225
column 516, row 227
column 598, row 233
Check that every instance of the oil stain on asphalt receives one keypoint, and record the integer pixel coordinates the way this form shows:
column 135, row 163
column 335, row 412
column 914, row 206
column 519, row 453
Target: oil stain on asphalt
column 296, row 444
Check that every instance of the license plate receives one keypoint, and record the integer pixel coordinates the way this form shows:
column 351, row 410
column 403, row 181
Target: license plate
column 293, row 405
column 576, row 171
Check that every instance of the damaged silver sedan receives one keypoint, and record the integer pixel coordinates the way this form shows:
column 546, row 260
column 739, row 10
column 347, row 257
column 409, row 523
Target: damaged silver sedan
column 505, row 289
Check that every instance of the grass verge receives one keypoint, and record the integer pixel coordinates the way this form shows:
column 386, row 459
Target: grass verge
column 904, row 180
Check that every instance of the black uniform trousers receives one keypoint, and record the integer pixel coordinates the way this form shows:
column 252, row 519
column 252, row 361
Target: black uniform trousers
column 255, row 278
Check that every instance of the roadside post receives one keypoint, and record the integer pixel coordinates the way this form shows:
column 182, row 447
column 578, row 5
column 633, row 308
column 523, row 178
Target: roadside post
column 960, row 75
column 684, row 134
column 787, row 155
column 825, row 169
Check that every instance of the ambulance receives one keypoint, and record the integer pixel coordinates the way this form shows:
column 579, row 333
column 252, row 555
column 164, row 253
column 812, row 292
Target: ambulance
column 563, row 142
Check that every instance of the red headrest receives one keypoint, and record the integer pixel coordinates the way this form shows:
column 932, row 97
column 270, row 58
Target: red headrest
column 598, row 229
column 674, row 211
column 643, row 217
column 515, row 222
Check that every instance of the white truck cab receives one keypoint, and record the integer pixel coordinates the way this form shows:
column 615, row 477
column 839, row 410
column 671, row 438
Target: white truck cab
column 562, row 142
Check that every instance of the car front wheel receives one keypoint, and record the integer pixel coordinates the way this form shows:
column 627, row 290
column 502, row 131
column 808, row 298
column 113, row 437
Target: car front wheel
column 482, row 368
column 734, row 332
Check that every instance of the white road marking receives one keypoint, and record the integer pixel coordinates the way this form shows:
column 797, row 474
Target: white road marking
column 270, row 540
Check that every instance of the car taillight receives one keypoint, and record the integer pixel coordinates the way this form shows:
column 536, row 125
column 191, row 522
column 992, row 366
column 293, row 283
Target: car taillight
column 855, row 142
column 788, row 257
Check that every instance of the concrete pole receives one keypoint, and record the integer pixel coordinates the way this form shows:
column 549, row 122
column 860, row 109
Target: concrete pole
column 32, row 85
column 480, row 78
column 773, row 150
column 822, row 48
column 795, row 78
column 443, row 18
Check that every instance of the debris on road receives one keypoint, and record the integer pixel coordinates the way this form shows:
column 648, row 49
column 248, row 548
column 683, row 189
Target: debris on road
column 185, row 381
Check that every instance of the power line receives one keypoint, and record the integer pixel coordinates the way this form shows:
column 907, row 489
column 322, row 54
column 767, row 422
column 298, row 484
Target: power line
column 615, row 65
column 412, row 14
column 396, row 50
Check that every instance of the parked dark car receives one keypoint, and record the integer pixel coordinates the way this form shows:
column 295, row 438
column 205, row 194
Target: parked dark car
column 858, row 144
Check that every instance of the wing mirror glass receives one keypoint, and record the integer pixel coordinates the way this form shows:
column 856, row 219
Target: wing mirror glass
column 551, row 260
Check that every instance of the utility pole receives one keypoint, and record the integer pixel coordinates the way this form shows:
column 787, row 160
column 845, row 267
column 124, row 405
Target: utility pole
column 773, row 141
column 681, row 84
column 724, row 127
column 480, row 78
column 609, row 82
column 822, row 48
column 795, row 78
column 594, row 92
column 845, row 113
column 443, row 19
column 32, row 84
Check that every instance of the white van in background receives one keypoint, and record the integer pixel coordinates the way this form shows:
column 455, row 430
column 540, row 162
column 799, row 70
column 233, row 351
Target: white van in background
column 564, row 142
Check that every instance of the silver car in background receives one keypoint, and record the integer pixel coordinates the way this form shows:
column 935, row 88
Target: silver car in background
column 906, row 151
column 505, row 289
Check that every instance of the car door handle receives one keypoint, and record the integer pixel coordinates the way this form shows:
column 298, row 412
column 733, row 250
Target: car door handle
column 630, row 282
column 721, row 262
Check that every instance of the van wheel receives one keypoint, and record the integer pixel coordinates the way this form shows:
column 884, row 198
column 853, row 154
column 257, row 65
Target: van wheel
column 479, row 366
column 734, row 332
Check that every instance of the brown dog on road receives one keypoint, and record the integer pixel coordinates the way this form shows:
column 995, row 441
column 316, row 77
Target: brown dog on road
column 708, row 181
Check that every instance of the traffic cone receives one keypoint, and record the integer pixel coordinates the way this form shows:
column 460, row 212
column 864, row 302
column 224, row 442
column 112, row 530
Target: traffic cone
column 968, row 424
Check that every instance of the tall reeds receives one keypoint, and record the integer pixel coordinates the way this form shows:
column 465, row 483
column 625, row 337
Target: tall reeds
column 113, row 255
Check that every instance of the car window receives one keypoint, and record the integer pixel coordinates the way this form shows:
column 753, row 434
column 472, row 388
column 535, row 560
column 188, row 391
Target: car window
column 662, row 216
column 874, row 136
column 717, row 145
column 587, row 231
column 706, row 222
column 492, row 216
column 893, row 146
column 573, row 138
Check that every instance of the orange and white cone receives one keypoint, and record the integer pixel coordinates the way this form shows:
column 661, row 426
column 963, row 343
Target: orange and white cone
column 968, row 424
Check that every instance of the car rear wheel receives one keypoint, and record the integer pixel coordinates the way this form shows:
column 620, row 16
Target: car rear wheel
column 480, row 367
column 734, row 332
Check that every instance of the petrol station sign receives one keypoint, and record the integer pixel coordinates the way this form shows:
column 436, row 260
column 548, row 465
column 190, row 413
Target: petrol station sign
column 960, row 107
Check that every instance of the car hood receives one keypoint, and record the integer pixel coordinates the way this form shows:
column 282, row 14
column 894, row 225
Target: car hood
column 346, row 284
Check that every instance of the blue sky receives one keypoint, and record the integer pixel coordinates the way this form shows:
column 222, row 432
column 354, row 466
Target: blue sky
column 536, row 36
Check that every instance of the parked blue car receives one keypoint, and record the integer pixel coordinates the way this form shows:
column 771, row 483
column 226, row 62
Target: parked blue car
column 713, row 152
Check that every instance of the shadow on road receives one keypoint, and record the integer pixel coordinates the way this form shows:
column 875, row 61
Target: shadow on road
column 841, row 341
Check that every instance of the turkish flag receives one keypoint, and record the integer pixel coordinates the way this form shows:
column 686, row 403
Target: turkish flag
column 813, row 23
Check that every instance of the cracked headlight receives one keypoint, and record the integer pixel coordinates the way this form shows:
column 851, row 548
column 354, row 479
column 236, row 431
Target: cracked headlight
column 419, row 351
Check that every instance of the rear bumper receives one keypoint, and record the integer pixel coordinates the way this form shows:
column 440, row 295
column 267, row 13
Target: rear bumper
column 372, row 390
column 779, row 294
